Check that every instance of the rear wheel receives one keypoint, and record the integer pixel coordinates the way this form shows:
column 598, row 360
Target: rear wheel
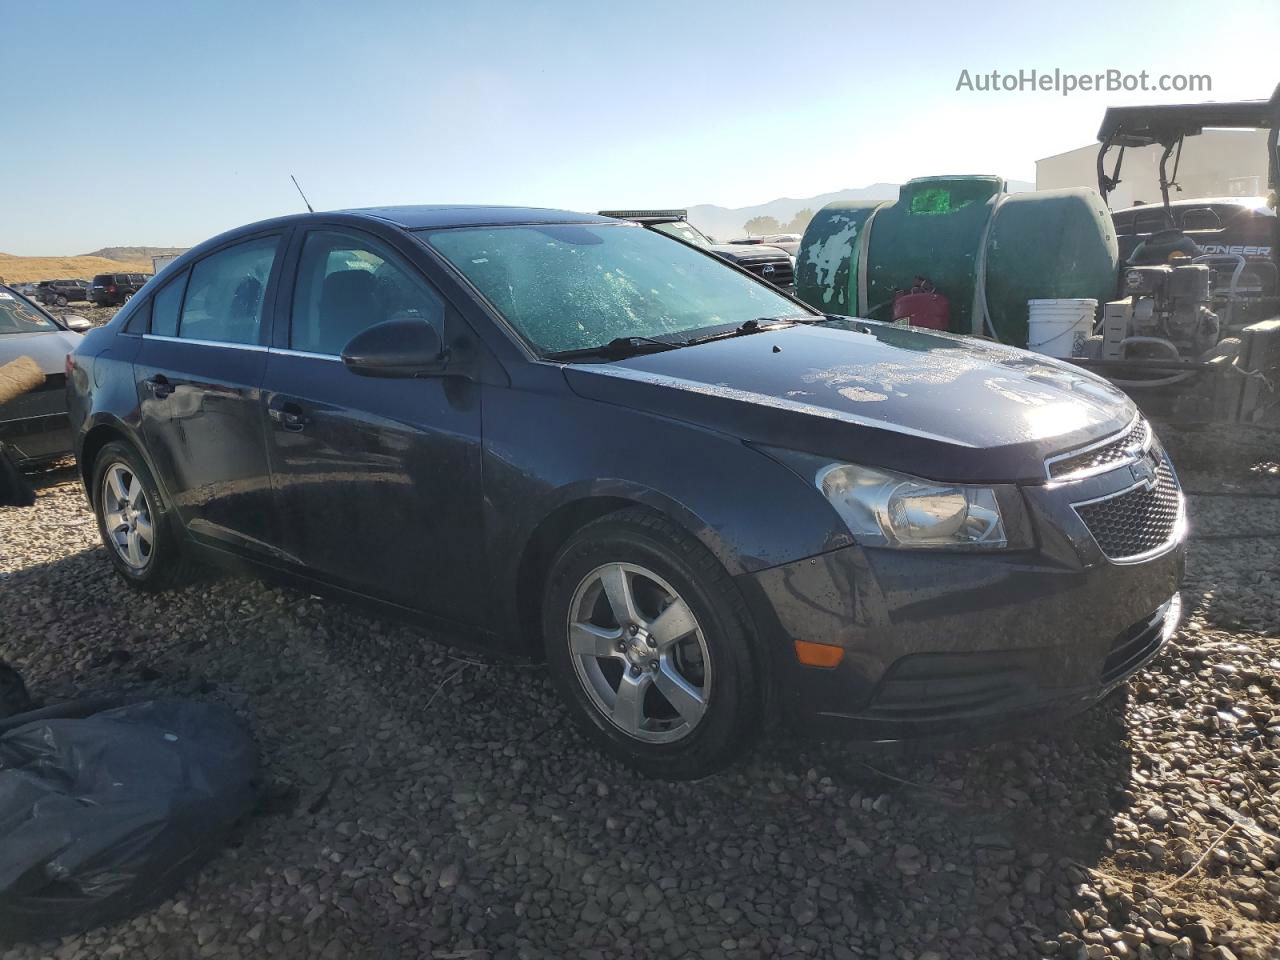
column 60, row 300
column 646, row 639
column 142, row 537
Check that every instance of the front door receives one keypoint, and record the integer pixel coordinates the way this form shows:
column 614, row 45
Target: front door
column 377, row 481
column 199, row 379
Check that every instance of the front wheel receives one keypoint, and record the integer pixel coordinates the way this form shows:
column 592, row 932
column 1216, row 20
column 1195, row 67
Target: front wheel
column 647, row 640
column 142, row 538
column 60, row 300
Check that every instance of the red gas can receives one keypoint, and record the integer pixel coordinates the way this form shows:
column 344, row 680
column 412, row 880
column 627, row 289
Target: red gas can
column 923, row 306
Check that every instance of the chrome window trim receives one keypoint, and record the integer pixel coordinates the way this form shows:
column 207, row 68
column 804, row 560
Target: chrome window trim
column 255, row 347
column 1097, row 444
column 285, row 351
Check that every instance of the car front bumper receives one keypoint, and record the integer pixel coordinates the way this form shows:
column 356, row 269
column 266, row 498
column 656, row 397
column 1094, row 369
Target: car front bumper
column 939, row 645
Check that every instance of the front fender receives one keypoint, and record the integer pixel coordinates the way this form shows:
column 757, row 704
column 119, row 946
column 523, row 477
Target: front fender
column 751, row 512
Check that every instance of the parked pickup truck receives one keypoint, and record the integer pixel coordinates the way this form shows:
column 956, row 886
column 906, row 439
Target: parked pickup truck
column 769, row 263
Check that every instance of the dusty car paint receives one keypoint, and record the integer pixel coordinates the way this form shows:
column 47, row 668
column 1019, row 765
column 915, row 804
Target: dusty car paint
column 452, row 489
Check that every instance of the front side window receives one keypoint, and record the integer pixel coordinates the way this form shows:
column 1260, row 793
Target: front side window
column 349, row 282
column 567, row 287
column 166, row 304
column 224, row 300
column 19, row 316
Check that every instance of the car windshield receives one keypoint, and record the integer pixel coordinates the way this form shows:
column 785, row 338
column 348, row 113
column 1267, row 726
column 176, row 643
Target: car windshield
column 685, row 231
column 19, row 316
column 568, row 287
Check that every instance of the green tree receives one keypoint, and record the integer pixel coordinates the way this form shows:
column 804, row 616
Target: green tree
column 758, row 225
column 800, row 221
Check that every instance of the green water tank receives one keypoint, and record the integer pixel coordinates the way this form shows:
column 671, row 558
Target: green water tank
column 827, row 262
column 987, row 251
column 1046, row 245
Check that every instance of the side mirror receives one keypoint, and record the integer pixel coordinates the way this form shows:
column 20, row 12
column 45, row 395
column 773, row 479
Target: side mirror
column 77, row 323
column 396, row 348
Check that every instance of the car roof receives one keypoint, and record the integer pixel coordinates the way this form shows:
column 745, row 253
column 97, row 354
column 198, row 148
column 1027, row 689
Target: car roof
column 437, row 216
column 466, row 215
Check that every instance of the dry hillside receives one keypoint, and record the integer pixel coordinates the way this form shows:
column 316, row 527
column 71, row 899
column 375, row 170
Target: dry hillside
column 27, row 269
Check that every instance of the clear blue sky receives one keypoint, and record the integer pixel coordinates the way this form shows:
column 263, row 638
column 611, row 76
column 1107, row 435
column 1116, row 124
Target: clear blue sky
column 165, row 122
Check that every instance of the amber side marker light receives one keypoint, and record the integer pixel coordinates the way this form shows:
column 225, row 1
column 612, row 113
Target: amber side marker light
column 818, row 654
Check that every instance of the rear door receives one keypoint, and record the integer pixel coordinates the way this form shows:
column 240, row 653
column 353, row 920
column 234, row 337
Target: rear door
column 199, row 378
column 377, row 481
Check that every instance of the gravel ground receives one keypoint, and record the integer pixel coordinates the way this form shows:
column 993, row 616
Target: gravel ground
column 425, row 802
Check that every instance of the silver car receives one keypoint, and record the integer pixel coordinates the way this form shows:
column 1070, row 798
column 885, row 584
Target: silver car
column 34, row 426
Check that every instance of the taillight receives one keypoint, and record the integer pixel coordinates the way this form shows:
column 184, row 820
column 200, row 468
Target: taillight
column 111, row 289
column 68, row 366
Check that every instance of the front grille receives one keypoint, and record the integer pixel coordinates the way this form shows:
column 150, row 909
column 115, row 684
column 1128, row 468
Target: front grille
column 1135, row 646
column 1103, row 457
column 935, row 686
column 1138, row 521
column 782, row 273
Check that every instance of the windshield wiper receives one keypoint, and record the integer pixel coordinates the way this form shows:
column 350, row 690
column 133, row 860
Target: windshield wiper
column 749, row 327
column 619, row 348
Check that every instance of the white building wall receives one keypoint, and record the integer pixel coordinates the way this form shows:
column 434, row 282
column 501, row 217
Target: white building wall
column 1218, row 163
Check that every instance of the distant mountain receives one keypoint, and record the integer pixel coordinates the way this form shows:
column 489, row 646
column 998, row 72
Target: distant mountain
column 726, row 223
column 135, row 254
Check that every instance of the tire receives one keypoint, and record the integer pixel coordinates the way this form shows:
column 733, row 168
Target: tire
column 60, row 300
column 702, row 654
column 165, row 560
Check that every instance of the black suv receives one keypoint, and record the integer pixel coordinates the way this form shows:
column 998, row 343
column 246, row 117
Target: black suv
column 61, row 292
column 771, row 264
column 113, row 289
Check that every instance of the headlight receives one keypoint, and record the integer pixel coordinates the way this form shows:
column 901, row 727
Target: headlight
column 894, row 510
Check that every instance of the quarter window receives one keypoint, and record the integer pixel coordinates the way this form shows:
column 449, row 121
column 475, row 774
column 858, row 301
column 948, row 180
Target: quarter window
column 166, row 304
column 347, row 283
column 140, row 320
column 225, row 295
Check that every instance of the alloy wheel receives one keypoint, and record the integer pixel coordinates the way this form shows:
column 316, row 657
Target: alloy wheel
column 639, row 653
column 126, row 516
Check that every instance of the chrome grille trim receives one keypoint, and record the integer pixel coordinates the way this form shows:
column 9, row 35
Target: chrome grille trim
column 1103, row 455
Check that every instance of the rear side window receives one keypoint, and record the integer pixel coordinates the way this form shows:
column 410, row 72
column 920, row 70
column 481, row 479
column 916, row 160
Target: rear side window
column 225, row 294
column 165, row 306
column 349, row 282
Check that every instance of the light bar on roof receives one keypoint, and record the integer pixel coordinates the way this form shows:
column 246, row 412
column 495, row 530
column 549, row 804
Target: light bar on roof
column 645, row 214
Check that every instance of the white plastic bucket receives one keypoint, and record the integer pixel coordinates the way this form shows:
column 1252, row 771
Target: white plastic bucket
column 1059, row 328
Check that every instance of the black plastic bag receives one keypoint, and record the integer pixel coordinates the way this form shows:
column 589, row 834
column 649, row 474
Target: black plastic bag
column 15, row 491
column 103, row 816
column 14, row 698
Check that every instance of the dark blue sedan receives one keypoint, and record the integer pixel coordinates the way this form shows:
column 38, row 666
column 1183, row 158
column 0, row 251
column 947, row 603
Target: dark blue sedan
column 704, row 504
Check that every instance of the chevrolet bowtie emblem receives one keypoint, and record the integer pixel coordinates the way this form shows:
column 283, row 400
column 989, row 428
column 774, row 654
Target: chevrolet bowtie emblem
column 1144, row 472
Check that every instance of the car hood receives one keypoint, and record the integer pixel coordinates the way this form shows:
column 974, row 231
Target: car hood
column 929, row 404
column 48, row 349
column 745, row 251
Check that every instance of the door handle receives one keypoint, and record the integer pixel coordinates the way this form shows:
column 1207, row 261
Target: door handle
column 288, row 414
column 159, row 386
